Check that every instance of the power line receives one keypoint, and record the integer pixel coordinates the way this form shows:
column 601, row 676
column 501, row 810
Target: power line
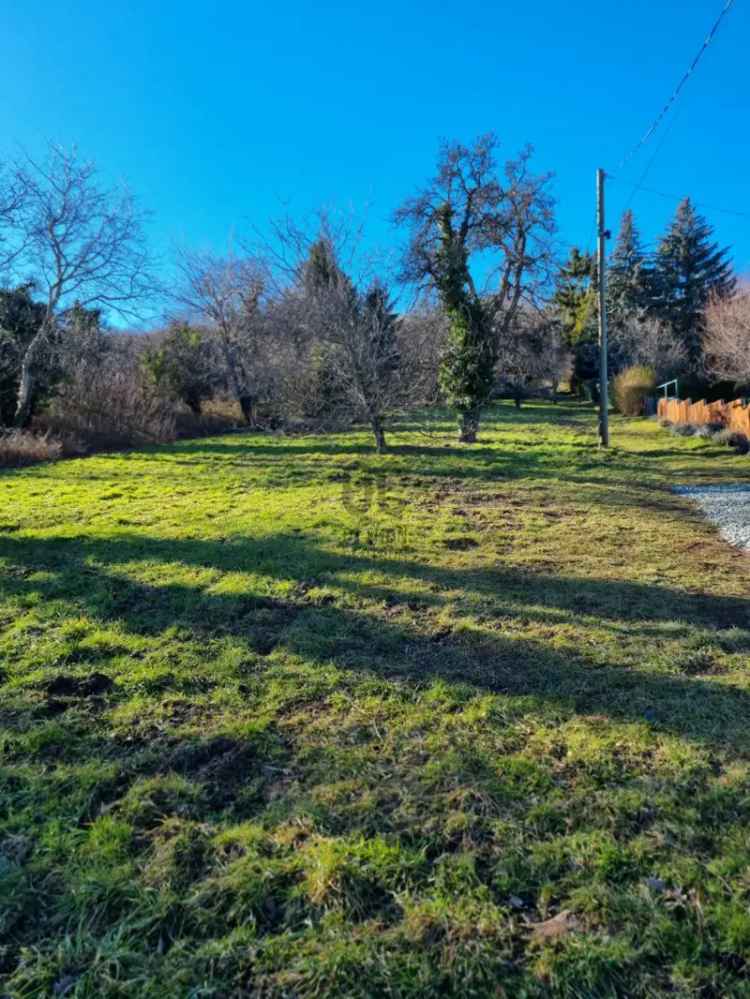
column 638, row 186
column 680, row 197
column 688, row 73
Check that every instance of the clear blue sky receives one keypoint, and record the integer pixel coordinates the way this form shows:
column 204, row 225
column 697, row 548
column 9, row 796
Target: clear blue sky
column 220, row 116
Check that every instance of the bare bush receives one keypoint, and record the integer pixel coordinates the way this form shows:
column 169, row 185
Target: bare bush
column 641, row 340
column 107, row 401
column 726, row 344
column 23, row 447
column 217, row 416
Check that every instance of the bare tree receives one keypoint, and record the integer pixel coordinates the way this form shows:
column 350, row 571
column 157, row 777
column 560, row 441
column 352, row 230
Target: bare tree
column 13, row 189
column 225, row 294
column 641, row 339
column 422, row 334
column 726, row 344
column 334, row 315
column 359, row 328
column 471, row 221
column 531, row 354
column 78, row 242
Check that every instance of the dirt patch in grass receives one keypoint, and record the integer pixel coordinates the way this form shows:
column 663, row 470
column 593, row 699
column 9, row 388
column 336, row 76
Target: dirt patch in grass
column 79, row 686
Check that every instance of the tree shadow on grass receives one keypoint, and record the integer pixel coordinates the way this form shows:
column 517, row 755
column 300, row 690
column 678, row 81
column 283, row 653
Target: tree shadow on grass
column 87, row 574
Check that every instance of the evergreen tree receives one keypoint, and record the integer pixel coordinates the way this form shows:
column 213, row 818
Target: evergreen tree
column 576, row 302
column 628, row 275
column 689, row 269
column 20, row 318
column 357, row 332
column 182, row 365
column 575, row 297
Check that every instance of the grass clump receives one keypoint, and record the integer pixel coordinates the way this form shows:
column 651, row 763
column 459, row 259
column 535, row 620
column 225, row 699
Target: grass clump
column 267, row 729
column 632, row 387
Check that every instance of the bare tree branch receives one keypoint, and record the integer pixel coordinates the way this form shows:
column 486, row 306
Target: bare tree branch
column 79, row 243
column 726, row 344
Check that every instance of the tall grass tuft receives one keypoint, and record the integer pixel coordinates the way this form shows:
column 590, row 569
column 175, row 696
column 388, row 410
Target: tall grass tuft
column 631, row 388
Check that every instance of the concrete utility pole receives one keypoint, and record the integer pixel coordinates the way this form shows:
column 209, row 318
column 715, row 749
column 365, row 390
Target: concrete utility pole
column 602, row 272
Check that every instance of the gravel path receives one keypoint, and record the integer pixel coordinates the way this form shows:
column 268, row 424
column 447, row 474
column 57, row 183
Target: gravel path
column 728, row 507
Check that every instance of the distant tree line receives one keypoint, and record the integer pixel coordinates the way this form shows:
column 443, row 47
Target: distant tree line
column 302, row 331
column 659, row 304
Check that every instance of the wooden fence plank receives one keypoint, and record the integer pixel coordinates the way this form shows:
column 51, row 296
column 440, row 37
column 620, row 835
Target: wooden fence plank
column 735, row 414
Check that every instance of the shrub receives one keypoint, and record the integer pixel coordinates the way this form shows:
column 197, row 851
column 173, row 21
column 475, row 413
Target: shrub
column 704, row 430
column 723, row 436
column 22, row 447
column 110, row 405
column 684, row 430
column 733, row 439
column 218, row 416
column 631, row 388
column 739, row 442
column 666, row 424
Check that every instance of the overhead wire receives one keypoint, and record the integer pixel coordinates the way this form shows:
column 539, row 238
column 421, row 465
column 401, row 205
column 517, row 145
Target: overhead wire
column 676, row 93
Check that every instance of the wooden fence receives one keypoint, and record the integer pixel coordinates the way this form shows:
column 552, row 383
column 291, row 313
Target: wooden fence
column 734, row 415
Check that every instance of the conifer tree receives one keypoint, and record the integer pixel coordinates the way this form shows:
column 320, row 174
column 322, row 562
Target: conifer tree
column 628, row 276
column 575, row 299
column 689, row 269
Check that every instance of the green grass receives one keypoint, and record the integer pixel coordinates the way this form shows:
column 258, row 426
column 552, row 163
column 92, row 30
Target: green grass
column 281, row 717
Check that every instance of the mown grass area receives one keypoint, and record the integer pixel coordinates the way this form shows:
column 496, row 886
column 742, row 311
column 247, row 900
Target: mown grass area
column 281, row 717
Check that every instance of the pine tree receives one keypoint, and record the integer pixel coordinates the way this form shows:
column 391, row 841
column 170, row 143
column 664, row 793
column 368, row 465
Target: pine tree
column 628, row 277
column 689, row 269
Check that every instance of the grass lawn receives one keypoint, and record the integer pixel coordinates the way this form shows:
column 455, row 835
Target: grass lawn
column 282, row 717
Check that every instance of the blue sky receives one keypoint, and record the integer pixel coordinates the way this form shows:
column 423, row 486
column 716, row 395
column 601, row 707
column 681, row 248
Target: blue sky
column 222, row 116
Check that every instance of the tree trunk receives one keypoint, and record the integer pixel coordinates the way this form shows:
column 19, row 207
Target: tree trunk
column 378, row 433
column 247, row 405
column 470, row 425
column 26, row 384
column 518, row 399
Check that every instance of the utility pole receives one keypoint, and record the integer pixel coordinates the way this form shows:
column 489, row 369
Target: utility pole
column 602, row 273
